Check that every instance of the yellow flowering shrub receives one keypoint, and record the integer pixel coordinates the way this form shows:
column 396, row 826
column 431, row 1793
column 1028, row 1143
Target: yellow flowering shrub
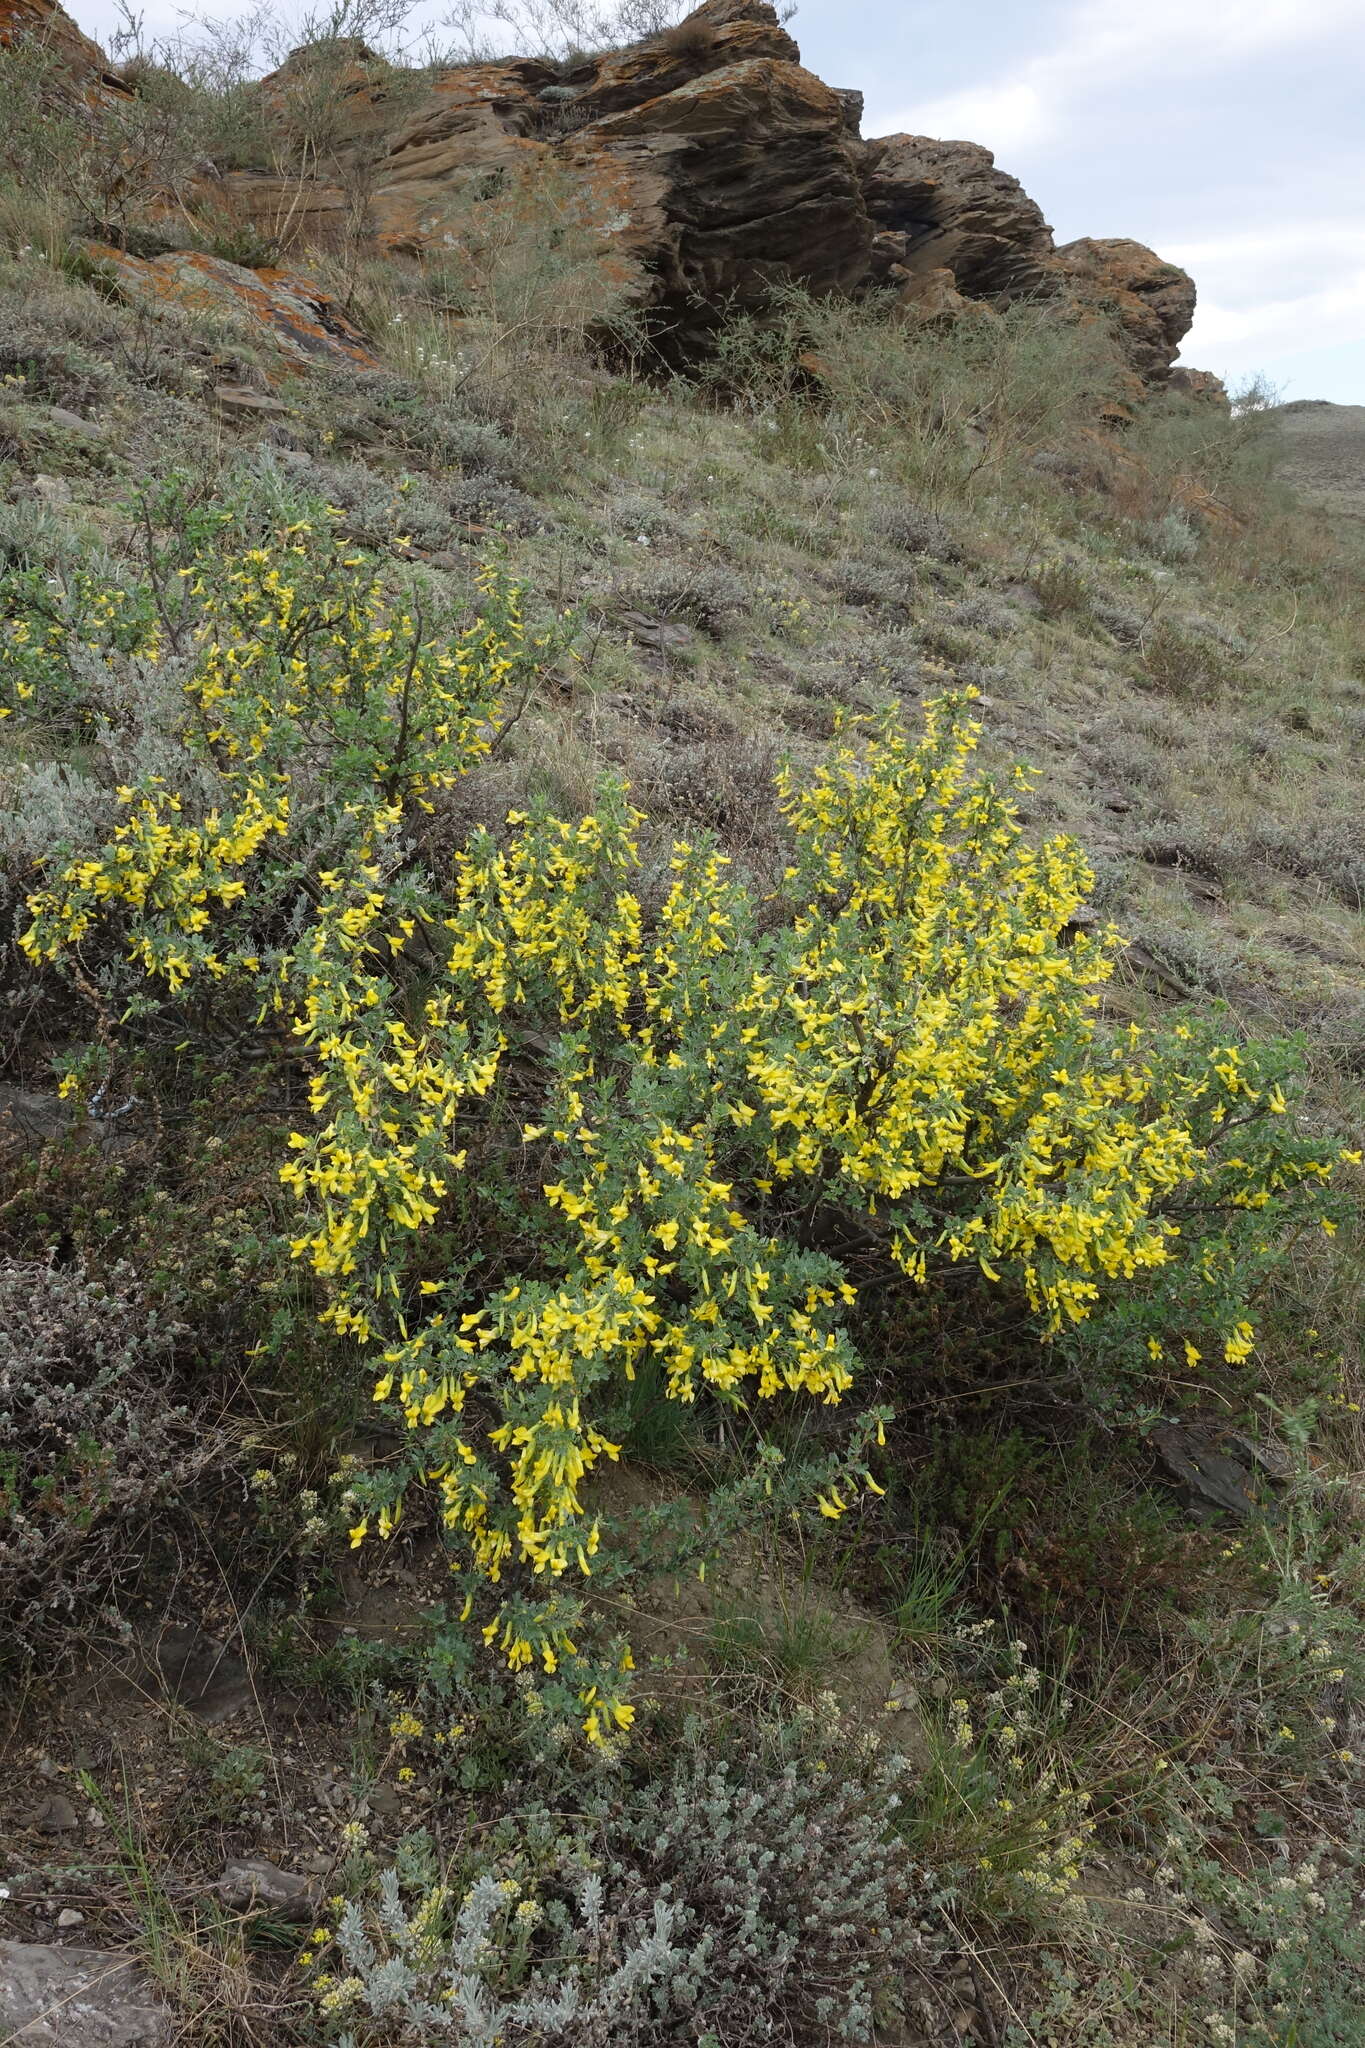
column 47, row 624
column 701, row 1102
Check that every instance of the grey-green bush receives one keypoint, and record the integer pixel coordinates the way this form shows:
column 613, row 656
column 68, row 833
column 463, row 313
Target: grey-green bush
column 713, row 1906
column 91, row 1446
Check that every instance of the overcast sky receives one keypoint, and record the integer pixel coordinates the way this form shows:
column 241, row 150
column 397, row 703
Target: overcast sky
column 1227, row 134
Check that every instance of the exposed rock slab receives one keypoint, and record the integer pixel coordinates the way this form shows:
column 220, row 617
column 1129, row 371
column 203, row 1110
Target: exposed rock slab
column 43, row 22
column 720, row 33
column 1204, row 385
column 751, row 183
column 299, row 318
column 927, row 297
column 55, row 1997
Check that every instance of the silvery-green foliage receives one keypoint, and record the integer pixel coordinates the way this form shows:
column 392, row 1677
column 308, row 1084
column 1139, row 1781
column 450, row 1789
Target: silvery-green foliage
column 901, row 523
column 454, row 1987
column 475, row 447
column 705, row 594
column 52, row 804
column 482, row 500
column 378, row 508
column 749, row 1908
column 1174, row 538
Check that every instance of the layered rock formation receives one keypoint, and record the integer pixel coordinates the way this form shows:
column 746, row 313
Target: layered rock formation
column 43, row 21
column 301, row 320
column 944, row 206
column 1151, row 302
column 710, row 165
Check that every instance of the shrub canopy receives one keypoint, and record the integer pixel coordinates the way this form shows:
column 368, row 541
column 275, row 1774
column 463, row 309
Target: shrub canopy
column 723, row 1115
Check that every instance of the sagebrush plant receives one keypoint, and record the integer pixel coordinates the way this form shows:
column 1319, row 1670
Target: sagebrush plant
column 89, row 1446
column 719, row 1904
column 723, row 1115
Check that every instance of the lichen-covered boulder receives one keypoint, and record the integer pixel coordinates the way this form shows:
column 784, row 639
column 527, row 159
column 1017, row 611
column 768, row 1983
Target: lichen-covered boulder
column 304, row 324
column 1150, row 302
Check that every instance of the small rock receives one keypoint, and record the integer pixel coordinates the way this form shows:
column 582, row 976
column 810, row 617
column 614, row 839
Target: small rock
column 57, row 1814
column 72, row 422
column 252, row 1881
column 1209, row 1479
column 659, row 634
column 240, row 401
column 69, row 1917
column 382, row 1799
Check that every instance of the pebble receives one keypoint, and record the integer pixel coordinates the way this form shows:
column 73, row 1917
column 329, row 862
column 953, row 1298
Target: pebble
column 69, row 1917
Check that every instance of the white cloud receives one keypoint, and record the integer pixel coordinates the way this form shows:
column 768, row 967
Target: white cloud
column 1265, row 294
column 1106, row 48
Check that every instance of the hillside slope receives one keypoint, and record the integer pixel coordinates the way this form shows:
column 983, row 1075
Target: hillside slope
column 1323, row 454
column 670, row 1371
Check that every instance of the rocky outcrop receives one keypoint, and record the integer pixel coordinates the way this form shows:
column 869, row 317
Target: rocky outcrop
column 58, row 1997
column 51, row 27
column 1150, row 302
column 717, row 34
column 1200, row 384
column 707, row 163
column 748, row 181
column 951, row 209
column 932, row 296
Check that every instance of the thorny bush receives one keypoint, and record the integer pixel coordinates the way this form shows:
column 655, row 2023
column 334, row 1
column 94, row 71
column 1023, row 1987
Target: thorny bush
column 725, row 1116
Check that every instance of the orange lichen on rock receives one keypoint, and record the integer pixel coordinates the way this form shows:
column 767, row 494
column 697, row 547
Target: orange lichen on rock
column 304, row 324
column 51, row 27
